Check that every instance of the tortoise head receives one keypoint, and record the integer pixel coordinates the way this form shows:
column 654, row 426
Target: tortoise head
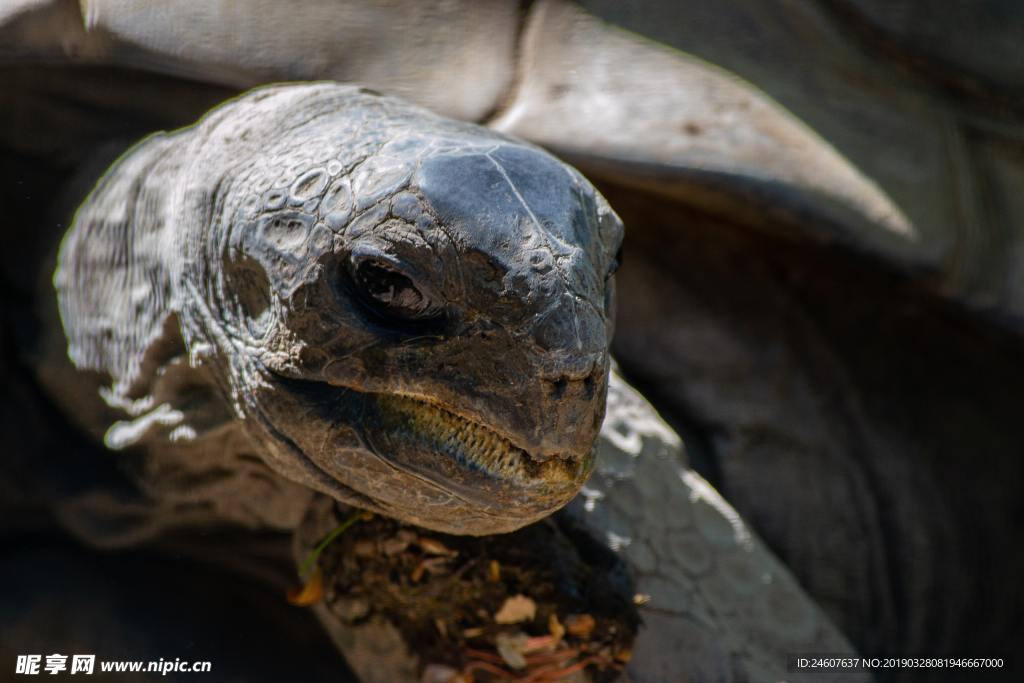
column 411, row 314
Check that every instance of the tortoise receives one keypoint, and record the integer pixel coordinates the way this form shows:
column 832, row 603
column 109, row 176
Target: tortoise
column 325, row 283
column 843, row 434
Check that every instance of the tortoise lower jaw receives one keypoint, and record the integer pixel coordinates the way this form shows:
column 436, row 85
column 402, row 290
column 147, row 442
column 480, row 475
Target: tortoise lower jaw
column 499, row 487
column 472, row 444
column 413, row 458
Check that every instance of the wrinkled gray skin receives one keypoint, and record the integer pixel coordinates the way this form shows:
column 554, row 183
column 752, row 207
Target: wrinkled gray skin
column 407, row 313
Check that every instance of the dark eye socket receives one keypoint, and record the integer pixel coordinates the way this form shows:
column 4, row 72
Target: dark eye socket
column 390, row 292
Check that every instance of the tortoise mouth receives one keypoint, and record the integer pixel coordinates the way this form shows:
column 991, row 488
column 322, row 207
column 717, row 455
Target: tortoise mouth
column 421, row 423
column 416, row 458
column 425, row 437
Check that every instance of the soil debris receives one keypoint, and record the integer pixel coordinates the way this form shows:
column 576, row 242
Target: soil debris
column 516, row 609
column 538, row 605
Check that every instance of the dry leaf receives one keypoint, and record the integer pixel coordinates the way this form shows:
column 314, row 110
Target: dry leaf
column 494, row 571
column 350, row 608
column 540, row 643
column 510, row 647
column 516, row 609
column 310, row 593
column 437, row 565
column 432, row 546
column 555, row 627
column 439, row 673
column 579, row 625
column 364, row 547
column 393, row 546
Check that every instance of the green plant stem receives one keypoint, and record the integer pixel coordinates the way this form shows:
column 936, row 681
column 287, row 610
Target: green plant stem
column 314, row 554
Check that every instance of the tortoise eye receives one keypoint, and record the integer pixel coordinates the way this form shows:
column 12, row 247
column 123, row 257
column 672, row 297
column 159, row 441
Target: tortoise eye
column 391, row 293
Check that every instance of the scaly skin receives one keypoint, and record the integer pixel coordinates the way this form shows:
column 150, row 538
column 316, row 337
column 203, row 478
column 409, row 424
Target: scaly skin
column 409, row 314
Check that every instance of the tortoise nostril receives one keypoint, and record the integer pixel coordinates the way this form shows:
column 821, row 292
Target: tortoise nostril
column 557, row 388
column 588, row 386
column 581, row 381
column 585, row 387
